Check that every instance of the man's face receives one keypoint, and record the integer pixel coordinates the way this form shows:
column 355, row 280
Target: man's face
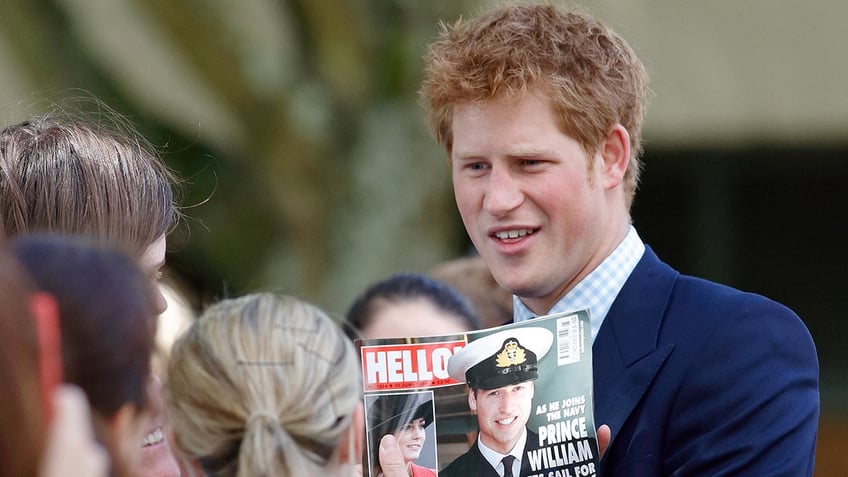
column 533, row 209
column 502, row 414
column 411, row 439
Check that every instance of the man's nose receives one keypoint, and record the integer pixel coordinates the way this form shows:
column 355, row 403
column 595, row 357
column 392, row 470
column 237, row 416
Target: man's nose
column 507, row 402
column 503, row 192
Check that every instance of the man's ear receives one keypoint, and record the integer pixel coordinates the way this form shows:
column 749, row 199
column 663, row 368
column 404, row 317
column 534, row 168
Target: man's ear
column 615, row 152
column 472, row 400
column 352, row 440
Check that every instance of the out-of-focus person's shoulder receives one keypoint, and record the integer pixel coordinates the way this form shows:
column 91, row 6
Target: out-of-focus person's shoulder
column 471, row 277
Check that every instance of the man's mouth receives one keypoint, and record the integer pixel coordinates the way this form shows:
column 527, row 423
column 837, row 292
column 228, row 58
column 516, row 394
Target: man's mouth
column 513, row 234
column 506, row 421
column 153, row 438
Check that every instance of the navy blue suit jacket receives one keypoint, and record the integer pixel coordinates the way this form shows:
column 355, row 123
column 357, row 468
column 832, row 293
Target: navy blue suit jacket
column 699, row 379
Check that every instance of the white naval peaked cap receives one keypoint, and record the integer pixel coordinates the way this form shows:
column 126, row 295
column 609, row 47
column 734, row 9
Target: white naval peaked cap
column 502, row 358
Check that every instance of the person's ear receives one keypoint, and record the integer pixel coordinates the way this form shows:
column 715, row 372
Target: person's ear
column 45, row 312
column 472, row 400
column 352, row 440
column 615, row 152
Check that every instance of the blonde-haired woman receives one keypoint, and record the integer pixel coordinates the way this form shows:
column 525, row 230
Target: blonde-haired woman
column 266, row 385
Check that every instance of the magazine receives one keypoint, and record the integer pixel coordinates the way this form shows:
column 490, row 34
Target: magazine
column 458, row 404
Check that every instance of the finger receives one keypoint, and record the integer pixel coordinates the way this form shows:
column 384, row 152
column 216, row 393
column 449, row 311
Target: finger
column 604, row 436
column 391, row 458
column 71, row 448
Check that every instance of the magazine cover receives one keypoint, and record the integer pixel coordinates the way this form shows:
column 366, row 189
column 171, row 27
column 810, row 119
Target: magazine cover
column 515, row 400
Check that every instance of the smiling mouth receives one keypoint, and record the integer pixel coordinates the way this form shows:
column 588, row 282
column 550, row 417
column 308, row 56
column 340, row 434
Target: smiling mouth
column 507, row 421
column 513, row 234
column 153, row 438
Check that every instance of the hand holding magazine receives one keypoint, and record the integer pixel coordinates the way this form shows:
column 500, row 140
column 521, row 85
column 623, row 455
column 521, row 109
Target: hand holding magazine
column 515, row 400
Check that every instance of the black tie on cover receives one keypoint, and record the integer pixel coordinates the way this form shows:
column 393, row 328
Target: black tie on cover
column 507, row 462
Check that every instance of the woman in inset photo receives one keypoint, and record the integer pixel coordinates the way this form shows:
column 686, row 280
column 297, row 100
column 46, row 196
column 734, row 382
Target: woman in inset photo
column 406, row 416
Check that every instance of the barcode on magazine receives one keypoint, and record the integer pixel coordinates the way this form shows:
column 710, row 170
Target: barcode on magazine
column 568, row 340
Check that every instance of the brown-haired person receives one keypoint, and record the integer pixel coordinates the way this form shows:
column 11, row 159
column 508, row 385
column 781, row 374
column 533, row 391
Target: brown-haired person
column 540, row 111
column 405, row 416
column 94, row 175
column 500, row 396
column 106, row 313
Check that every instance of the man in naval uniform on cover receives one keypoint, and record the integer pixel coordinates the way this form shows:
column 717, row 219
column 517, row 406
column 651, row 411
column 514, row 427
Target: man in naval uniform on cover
column 500, row 370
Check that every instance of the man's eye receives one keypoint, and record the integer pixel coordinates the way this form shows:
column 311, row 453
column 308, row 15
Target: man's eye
column 477, row 166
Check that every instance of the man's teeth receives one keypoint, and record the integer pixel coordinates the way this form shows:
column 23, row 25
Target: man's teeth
column 511, row 234
column 154, row 437
column 506, row 422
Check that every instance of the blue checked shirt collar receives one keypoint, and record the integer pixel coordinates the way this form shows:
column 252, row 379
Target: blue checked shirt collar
column 598, row 290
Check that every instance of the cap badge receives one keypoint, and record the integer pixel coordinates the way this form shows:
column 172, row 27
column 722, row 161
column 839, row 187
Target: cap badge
column 510, row 355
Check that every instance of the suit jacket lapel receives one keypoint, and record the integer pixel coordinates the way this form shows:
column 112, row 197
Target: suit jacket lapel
column 479, row 465
column 626, row 355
